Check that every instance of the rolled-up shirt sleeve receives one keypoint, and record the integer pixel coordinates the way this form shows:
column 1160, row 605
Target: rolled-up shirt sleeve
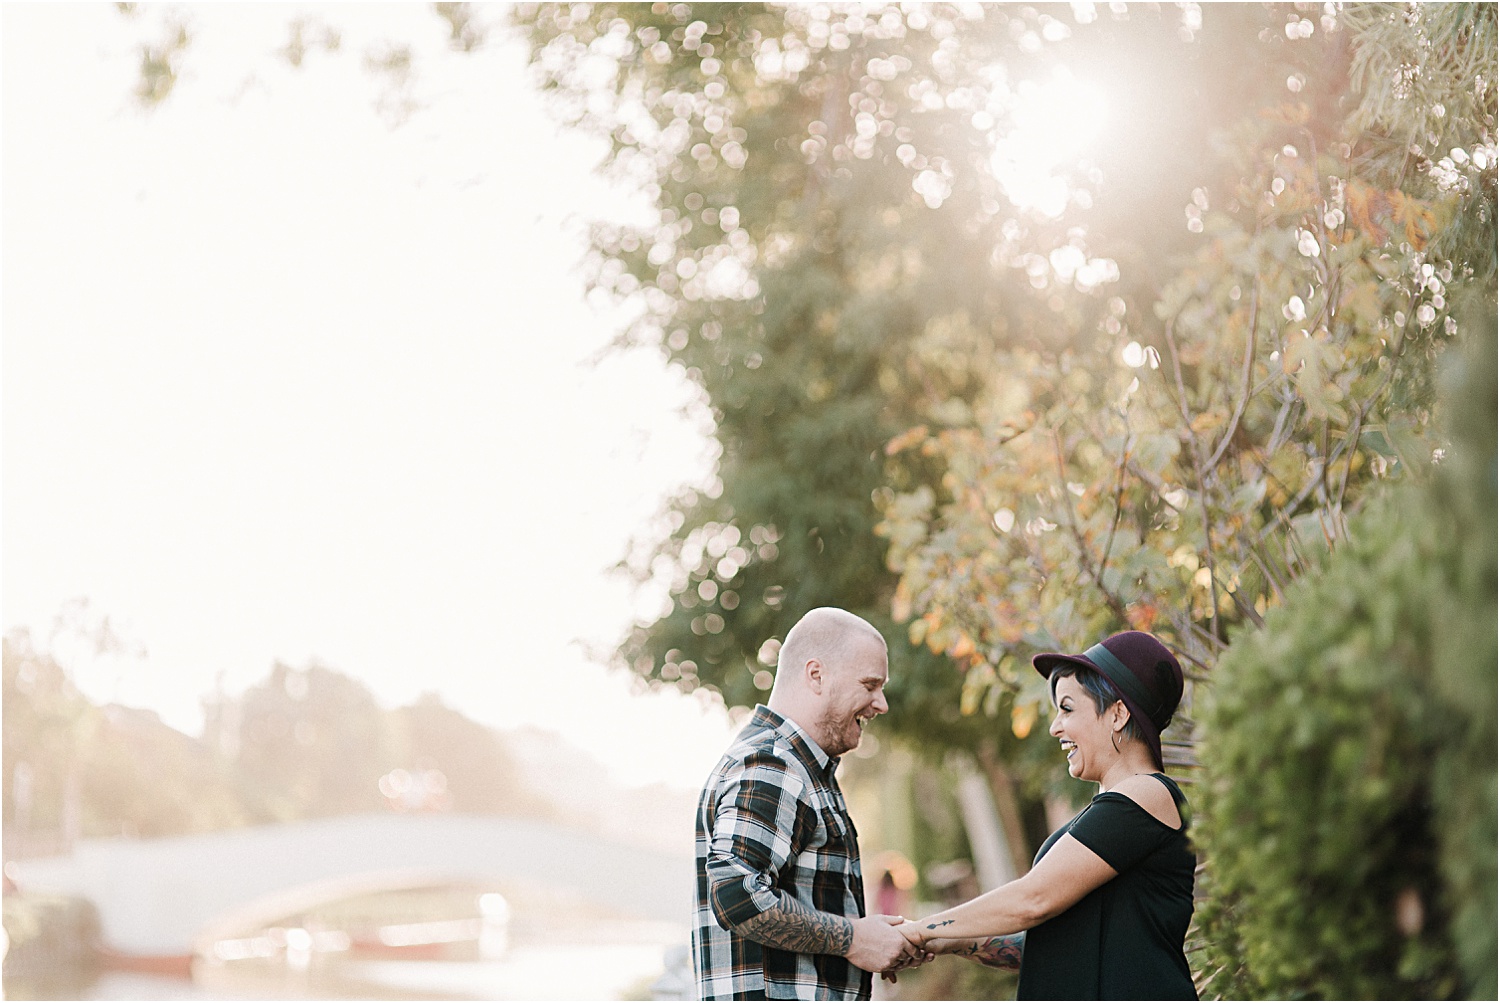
column 755, row 829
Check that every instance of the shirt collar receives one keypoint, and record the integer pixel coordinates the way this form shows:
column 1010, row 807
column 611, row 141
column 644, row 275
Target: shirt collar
column 800, row 740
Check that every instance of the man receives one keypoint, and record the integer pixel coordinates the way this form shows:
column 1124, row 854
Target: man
column 781, row 905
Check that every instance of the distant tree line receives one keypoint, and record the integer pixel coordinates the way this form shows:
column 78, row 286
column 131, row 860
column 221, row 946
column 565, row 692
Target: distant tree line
column 302, row 743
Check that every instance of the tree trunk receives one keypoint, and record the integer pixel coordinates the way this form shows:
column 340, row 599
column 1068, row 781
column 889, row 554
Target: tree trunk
column 1003, row 786
column 992, row 862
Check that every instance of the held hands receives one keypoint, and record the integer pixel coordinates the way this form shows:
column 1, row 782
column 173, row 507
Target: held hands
column 914, row 932
column 927, row 943
column 915, row 955
column 942, row 945
column 880, row 946
column 930, row 939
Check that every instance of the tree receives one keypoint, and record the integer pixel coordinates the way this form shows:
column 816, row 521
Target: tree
column 141, row 777
column 1148, row 393
column 1281, row 371
column 481, row 776
column 73, row 769
column 890, row 340
column 310, row 741
column 783, row 289
column 46, row 721
column 825, row 266
column 1360, row 860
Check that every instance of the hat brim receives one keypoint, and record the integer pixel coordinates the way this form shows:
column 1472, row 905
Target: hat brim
column 1047, row 661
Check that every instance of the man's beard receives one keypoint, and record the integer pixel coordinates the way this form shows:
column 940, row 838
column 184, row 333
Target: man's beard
column 833, row 729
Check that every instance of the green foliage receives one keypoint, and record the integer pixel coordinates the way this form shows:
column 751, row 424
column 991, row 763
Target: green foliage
column 1426, row 77
column 480, row 775
column 312, row 740
column 1284, row 367
column 46, row 719
column 140, row 777
column 888, row 343
column 1348, row 796
column 161, row 60
column 50, row 943
column 1464, row 660
column 834, row 165
column 75, row 768
column 793, row 272
column 302, row 743
column 938, row 836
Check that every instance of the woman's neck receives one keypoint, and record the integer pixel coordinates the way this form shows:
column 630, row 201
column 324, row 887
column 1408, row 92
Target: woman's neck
column 1130, row 764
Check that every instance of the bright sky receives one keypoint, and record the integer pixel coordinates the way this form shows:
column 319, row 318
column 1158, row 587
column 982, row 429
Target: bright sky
column 284, row 382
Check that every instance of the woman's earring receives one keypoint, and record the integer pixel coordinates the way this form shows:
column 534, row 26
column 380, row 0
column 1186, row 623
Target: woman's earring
column 1114, row 738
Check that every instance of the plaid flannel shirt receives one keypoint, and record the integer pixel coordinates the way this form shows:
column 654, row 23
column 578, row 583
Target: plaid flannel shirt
column 772, row 822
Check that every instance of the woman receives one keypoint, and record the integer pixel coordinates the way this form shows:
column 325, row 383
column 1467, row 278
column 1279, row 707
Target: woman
column 1105, row 908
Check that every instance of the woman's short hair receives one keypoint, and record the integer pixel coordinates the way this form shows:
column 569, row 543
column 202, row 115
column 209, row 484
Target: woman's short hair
column 1096, row 686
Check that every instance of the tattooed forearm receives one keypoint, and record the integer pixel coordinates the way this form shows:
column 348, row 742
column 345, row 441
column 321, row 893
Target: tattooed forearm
column 793, row 926
column 997, row 952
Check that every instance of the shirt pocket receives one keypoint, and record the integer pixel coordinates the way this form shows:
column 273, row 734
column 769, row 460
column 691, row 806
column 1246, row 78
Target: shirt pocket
column 838, row 827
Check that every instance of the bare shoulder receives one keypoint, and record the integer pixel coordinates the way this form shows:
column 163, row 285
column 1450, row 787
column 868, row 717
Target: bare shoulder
column 1152, row 795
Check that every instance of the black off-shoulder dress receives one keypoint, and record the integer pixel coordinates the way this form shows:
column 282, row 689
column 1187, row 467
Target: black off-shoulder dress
column 1124, row 940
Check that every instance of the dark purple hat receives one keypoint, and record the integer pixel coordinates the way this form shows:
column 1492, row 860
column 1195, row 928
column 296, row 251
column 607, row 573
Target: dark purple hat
column 1146, row 675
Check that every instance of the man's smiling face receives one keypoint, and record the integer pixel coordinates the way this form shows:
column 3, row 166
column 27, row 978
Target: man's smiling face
column 853, row 693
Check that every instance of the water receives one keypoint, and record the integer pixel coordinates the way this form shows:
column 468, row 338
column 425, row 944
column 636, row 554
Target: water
column 541, row 972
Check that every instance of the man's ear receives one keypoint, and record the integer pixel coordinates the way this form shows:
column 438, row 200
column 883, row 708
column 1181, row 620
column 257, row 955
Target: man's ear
column 813, row 669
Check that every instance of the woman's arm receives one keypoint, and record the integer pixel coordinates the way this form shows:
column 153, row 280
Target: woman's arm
column 1065, row 875
column 993, row 952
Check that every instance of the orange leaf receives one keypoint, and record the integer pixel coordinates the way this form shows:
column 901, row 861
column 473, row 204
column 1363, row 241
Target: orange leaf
column 1415, row 217
column 906, row 440
column 1022, row 719
column 1141, row 615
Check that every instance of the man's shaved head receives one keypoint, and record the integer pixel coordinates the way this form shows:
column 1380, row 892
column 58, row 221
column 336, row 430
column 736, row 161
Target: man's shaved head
column 830, row 675
column 826, row 633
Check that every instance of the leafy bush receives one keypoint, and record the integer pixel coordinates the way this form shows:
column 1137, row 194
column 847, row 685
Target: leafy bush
column 1348, row 797
column 50, row 944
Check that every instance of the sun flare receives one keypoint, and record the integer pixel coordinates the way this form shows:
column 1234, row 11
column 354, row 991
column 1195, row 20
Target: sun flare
column 1053, row 124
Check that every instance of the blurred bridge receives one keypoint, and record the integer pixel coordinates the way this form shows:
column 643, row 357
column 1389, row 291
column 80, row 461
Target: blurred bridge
column 162, row 897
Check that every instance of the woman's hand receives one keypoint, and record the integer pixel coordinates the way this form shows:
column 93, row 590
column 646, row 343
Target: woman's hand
column 948, row 945
column 912, row 930
column 907, row 929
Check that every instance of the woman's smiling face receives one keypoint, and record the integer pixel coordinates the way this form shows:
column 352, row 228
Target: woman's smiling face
column 1086, row 735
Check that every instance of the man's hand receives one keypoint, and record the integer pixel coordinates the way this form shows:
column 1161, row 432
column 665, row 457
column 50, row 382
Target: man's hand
column 916, row 933
column 921, row 956
column 879, row 945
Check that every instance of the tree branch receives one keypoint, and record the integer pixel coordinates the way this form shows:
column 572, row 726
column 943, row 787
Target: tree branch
column 1114, row 601
column 1208, row 536
column 1239, row 410
column 1182, row 408
column 1109, row 541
